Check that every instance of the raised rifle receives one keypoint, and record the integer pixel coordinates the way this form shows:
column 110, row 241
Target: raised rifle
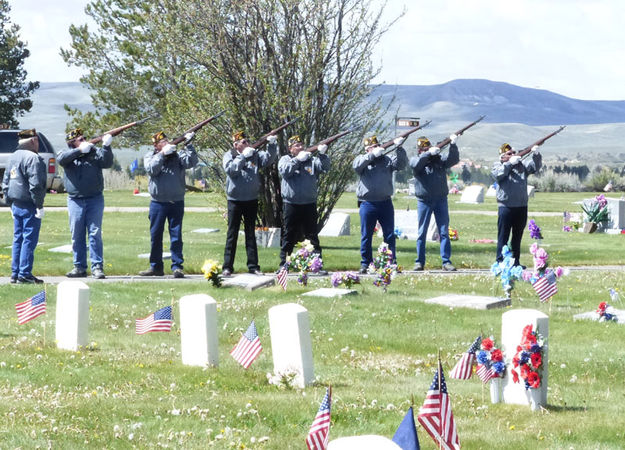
column 119, row 130
column 195, row 128
column 527, row 150
column 263, row 139
column 445, row 142
column 328, row 141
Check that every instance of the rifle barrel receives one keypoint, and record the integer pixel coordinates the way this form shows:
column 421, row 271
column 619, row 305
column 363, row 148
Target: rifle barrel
column 328, row 141
column 527, row 150
column 119, row 130
column 196, row 127
column 261, row 141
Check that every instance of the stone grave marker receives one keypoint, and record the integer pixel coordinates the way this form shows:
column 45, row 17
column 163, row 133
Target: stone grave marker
column 411, row 188
column 616, row 209
column 338, row 225
column 512, row 324
column 408, row 224
column 593, row 315
column 530, row 191
column 330, row 292
column 365, row 442
column 205, row 230
column 62, row 249
column 491, row 191
column 166, row 255
column 198, row 330
column 269, row 238
column 249, row 281
column 72, row 315
column 290, row 342
column 470, row 301
column 473, row 194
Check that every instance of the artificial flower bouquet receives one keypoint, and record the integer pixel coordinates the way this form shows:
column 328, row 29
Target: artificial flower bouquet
column 534, row 230
column 528, row 358
column 212, row 272
column 383, row 267
column 453, row 234
column 347, row 279
column 490, row 362
column 507, row 271
column 595, row 210
column 606, row 313
column 304, row 260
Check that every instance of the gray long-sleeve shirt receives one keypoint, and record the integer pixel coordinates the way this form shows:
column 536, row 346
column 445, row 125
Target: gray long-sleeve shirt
column 83, row 171
column 299, row 179
column 376, row 174
column 242, row 177
column 24, row 180
column 166, row 173
column 512, row 180
column 430, row 172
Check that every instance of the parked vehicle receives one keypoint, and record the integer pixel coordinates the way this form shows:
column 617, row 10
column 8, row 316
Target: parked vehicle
column 8, row 144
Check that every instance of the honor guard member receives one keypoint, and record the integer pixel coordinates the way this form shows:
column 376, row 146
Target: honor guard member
column 83, row 163
column 241, row 165
column 429, row 168
column 300, row 172
column 166, row 171
column 24, row 188
column 511, row 174
column 374, row 191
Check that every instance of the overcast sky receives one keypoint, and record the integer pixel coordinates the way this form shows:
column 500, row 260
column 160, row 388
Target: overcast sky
column 571, row 47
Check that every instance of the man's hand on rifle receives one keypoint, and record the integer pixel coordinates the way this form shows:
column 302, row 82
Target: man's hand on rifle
column 248, row 152
column 434, row 151
column 514, row 160
column 169, row 149
column 85, row 147
column 377, row 152
column 272, row 139
column 398, row 141
column 322, row 148
column 303, row 155
column 534, row 148
column 188, row 137
column 107, row 140
column 453, row 138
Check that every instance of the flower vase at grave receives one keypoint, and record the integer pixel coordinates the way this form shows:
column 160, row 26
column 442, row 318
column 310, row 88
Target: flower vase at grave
column 535, row 399
column 589, row 227
column 495, row 390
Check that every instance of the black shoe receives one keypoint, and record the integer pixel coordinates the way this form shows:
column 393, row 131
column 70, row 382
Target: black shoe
column 29, row 280
column 322, row 272
column 178, row 273
column 418, row 267
column 76, row 273
column 449, row 267
column 98, row 273
column 152, row 273
column 226, row 273
column 256, row 272
column 363, row 269
column 13, row 279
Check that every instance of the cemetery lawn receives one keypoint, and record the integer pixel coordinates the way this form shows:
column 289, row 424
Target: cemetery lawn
column 376, row 350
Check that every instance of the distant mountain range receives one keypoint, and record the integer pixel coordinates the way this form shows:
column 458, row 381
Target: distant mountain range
column 514, row 114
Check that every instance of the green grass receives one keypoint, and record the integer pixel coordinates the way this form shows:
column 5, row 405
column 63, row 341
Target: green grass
column 376, row 350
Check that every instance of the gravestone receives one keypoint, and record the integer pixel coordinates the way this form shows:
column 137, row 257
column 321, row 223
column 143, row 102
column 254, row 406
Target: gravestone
column 205, row 230
column 166, row 255
column 616, row 209
column 365, row 442
column 290, row 342
column 491, row 191
column 411, row 188
column 337, row 225
column 267, row 238
column 530, row 191
column 249, row 281
column 512, row 324
column 330, row 292
column 72, row 315
column 62, row 249
column 593, row 315
column 199, row 343
column 408, row 223
column 473, row 194
column 470, row 301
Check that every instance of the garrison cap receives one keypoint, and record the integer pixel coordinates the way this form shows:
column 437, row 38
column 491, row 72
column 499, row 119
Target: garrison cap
column 371, row 140
column 504, row 148
column 156, row 137
column 294, row 139
column 25, row 134
column 73, row 134
column 238, row 135
column 422, row 142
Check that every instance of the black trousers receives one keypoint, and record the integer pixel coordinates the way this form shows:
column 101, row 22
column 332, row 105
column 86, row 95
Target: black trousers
column 511, row 219
column 296, row 217
column 237, row 210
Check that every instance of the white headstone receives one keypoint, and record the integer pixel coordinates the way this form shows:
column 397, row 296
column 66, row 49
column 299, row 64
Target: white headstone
column 593, row 315
column 470, row 301
column 205, row 230
column 62, row 249
column 512, row 324
column 616, row 209
column 473, row 194
column 491, row 191
column 198, row 330
column 330, row 292
column 269, row 238
column 365, row 442
column 290, row 342
column 249, row 281
column 72, row 315
column 338, row 225
column 166, row 255
column 530, row 191
column 408, row 223
column 411, row 188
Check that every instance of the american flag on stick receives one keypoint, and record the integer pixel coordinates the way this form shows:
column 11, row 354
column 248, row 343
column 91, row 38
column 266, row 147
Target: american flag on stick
column 436, row 416
column 282, row 277
column 31, row 308
column 485, row 372
column 464, row 368
column 319, row 433
column 248, row 347
column 546, row 286
column 158, row 321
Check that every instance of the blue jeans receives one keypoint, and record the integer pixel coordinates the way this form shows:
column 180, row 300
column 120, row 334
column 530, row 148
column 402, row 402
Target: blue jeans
column 370, row 213
column 25, row 237
column 172, row 212
column 85, row 222
column 425, row 209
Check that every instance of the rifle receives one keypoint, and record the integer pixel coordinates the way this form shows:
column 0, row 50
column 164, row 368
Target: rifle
column 119, row 130
column 445, row 142
column 329, row 140
column 527, row 150
column 196, row 127
column 263, row 139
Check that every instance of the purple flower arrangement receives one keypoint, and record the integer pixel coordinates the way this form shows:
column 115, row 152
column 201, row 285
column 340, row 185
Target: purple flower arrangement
column 304, row 260
column 534, row 230
column 347, row 279
column 383, row 267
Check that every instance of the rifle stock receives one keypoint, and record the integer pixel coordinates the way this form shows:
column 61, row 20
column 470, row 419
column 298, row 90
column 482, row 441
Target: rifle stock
column 539, row 142
column 328, row 141
column 263, row 139
column 195, row 128
column 445, row 142
column 119, row 130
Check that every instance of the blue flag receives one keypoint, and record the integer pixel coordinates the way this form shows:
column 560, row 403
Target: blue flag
column 134, row 166
column 406, row 434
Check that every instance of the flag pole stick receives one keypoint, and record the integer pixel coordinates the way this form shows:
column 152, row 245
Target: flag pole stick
column 440, row 410
column 43, row 324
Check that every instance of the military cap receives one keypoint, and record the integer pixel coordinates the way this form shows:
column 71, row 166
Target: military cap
column 156, row 137
column 294, row 139
column 73, row 134
column 26, row 134
column 371, row 140
column 422, row 142
column 504, row 148
column 238, row 135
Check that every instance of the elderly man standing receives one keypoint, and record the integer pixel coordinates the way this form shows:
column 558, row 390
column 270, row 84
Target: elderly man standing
column 300, row 172
column 83, row 164
column 166, row 171
column 429, row 168
column 24, row 188
column 374, row 191
column 242, row 185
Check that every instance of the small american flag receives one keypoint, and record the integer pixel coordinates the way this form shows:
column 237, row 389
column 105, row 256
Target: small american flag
column 159, row 321
column 248, row 347
column 546, row 286
column 31, row 308
column 283, row 276
column 436, row 416
column 485, row 372
column 464, row 368
column 319, row 433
